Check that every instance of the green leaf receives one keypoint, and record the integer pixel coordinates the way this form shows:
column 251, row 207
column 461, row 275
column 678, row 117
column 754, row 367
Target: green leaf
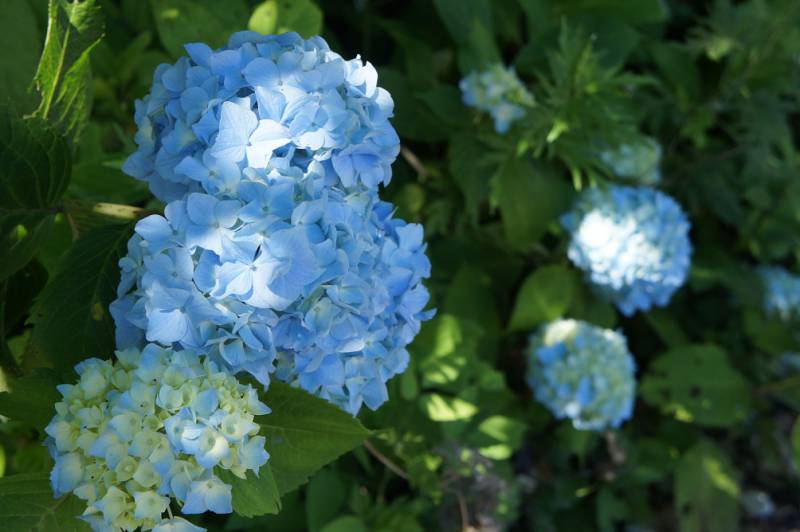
column 460, row 16
column 304, row 433
column 34, row 172
column 545, row 295
column 27, row 504
column 325, row 496
column 207, row 21
column 279, row 16
column 21, row 42
column 796, row 443
column 530, row 197
column 497, row 437
column 469, row 168
column 346, row 523
column 71, row 314
column 64, row 77
column 697, row 384
column 255, row 495
column 30, row 399
column 441, row 408
column 706, row 491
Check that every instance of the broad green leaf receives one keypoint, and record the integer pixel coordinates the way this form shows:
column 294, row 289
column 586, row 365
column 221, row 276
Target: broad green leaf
column 697, row 384
column 346, row 523
column 545, row 295
column 530, row 197
column 325, row 495
column 72, row 319
column 444, row 348
column 255, row 495
column 638, row 12
column 279, row 16
column 440, row 408
column 497, row 437
column 470, row 170
column 208, row 21
column 304, row 433
column 611, row 510
column 706, row 491
column 30, row 399
column 27, row 504
column 460, row 16
column 34, row 172
column 412, row 118
column 64, row 77
column 21, row 42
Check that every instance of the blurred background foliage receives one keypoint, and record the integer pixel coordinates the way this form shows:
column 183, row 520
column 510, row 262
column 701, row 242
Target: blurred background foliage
column 461, row 444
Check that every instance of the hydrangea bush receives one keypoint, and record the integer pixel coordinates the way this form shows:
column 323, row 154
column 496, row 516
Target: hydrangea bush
column 152, row 426
column 632, row 243
column 599, row 200
column 582, row 373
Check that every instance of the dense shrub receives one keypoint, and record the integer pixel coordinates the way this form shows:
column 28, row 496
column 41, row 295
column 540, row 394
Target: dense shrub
column 599, row 197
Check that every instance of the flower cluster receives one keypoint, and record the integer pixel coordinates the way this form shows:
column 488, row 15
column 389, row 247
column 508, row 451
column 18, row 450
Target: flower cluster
column 781, row 292
column 638, row 162
column 262, row 102
column 275, row 255
column 632, row 242
column 154, row 425
column 582, row 372
column 499, row 92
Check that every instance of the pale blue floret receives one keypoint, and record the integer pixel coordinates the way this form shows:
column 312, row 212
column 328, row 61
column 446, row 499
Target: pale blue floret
column 275, row 255
column 154, row 425
column 499, row 92
column 637, row 161
column 259, row 102
column 582, row 373
column 632, row 243
column 323, row 288
column 781, row 292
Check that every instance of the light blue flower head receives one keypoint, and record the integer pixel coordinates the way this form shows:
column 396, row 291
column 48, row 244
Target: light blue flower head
column 152, row 426
column 295, row 277
column 583, row 373
column 637, row 162
column 632, row 243
column 499, row 92
column 260, row 102
column 781, row 292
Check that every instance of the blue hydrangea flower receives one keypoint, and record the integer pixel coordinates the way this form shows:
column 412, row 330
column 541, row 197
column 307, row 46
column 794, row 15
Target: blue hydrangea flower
column 152, row 426
column 638, row 162
column 781, row 292
column 632, row 243
column 262, row 102
column 583, row 373
column 295, row 277
column 499, row 92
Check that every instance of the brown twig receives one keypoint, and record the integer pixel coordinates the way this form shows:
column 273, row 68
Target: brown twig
column 412, row 159
column 396, row 469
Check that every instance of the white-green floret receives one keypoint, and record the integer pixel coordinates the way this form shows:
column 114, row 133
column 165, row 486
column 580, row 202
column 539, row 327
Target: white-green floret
column 152, row 426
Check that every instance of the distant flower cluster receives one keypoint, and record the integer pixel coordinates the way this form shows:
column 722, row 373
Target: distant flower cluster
column 781, row 292
column 582, row 373
column 632, row 243
column 499, row 92
column 638, row 162
column 275, row 254
column 155, row 425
